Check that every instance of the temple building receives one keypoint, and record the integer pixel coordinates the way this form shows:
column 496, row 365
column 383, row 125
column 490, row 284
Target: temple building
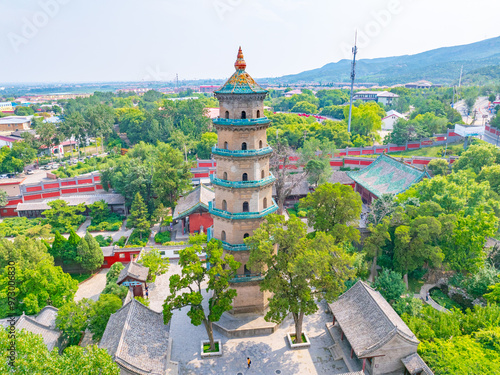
column 243, row 182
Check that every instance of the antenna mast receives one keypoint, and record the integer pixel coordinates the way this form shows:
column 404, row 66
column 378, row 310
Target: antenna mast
column 460, row 80
column 353, row 75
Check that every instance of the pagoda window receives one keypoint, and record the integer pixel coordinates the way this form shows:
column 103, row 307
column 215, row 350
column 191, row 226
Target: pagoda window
column 223, row 236
column 264, row 202
column 260, row 144
column 262, row 174
column 224, row 176
column 227, row 114
column 244, row 146
column 243, row 115
column 258, row 113
column 246, row 235
column 246, row 207
column 244, row 177
column 225, row 145
column 246, row 270
column 224, row 205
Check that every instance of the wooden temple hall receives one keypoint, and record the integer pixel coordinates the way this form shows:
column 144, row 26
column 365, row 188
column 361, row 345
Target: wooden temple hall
column 371, row 337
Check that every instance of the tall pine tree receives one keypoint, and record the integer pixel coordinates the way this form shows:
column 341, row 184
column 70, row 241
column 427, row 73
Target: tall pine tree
column 58, row 246
column 90, row 254
column 139, row 215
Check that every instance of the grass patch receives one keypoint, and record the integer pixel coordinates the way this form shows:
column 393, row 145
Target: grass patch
column 294, row 338
column 80, row 277
column 415, row 285
column 442, row 299
column 162, row 237
column 206, row 348
column 432, row 151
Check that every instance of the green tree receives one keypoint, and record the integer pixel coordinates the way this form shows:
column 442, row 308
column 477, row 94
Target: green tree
column 106, row 305
column 89, row 253
column 47, row 132
column 172, row 176
column 302, row 270
column 366, row 119
column 438, row 167
column 114, row 272
column 194, row 272
column 491, row 173
column 494, row 294
column 72, row 319
column 204, row 146
column 478, row 156
column 382, row 207
column 305, row 107
column 58, row 246
column 376, row 241
column 99, row 212
column 315, row 155
column 332, row 208
column 3, row 198
column 390, row 284
column 139, row 215
column 157, row 265
column 32, row 357
column 63, row 217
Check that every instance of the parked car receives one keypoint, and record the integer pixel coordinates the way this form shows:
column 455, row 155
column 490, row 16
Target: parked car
column 3, row 176
column 11, row 175
column 29, row 171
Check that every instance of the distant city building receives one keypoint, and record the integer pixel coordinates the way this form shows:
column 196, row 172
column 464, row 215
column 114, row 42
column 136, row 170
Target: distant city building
column 391, row 118
column 6, row 107
column 422, row 84
column 208, row 88
column 13, row 123
column 384, row 97
column 292, row 93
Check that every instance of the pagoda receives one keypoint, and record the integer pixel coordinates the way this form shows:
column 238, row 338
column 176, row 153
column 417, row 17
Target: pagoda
column 243, row 182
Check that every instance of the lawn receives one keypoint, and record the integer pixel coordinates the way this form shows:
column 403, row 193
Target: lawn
column 432, row 151
column 414, row 285
column 80, row 277
column 206, row 348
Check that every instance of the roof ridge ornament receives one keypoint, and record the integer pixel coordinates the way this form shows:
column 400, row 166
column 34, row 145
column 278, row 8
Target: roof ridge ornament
column 240, row 63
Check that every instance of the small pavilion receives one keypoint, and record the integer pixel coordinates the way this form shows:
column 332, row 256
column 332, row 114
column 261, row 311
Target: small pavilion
column 134, row 276
column 192, row 210
column 385, row 175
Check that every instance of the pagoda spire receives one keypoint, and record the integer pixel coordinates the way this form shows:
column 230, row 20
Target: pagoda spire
column 240, row 63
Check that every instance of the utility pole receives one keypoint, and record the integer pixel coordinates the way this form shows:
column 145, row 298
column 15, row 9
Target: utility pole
column 460, row 80
column 353, row 75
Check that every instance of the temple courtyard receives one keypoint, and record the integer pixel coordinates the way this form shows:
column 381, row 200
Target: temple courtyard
column 269, row 354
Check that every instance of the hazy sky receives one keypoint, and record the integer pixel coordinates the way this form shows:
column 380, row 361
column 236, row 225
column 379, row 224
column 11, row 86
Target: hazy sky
column 108, row 40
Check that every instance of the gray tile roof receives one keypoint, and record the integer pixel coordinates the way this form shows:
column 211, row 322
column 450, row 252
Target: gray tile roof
column 50, row 336
column 198, row 198
column 73, row 200
column 341, row 177
column 416, row 365
column 137, row 339
column 367, row 319
column 47, row 316
column 134, row 270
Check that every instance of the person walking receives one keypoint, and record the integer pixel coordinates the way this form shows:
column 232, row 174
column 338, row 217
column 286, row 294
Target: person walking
column 249, row 362
column 427, row 296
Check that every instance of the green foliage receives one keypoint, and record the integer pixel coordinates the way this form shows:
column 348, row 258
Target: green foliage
column 121, row 241
column 63, row 217
column 139, row 214
column 72, row 319
column 478, row 156
column 197, row 239
column 493, row 295
column 144, row 301
column 37, row 280
column 103, row 242
column 32, row 357
column 438, row 167
column 491, row 173
column 477, row 284
column 89, row 252
column 390, row 285
column 114, row 272
column 118, row 290
column 366, row 119
column 157, row 265
column 194, row 272
column 17, row 226
column 443, row 299
column 162, row 237
column 408, row 305
column 331, row 209
column 138, row 238
column 304, row 107
column 303, row 271
column 101, row 311
column 382, row 207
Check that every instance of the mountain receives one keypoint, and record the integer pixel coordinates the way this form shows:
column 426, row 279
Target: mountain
column 440, row 65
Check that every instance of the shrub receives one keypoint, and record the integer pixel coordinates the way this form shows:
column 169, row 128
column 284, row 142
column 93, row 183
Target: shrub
column 103, row 241
column 173, row 243
column 144, row 301
column 121, row 241
column 138, row 238
column 302, row 214
column 162, row 237
column 197, row 239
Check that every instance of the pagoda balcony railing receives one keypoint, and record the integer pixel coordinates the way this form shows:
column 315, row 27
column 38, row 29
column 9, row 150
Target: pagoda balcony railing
column 234, row 247
column 241, row 215
column 240, row 122
column 241, row 153
column 242, row 184
column 247, row 277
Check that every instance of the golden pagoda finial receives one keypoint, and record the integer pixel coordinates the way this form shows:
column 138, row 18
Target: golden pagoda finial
column 240, row 63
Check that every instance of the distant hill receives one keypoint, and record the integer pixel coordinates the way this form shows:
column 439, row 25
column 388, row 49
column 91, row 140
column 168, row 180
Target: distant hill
column 440, row 65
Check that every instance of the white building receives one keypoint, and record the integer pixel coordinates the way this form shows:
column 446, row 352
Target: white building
column 384, row 97
column 391, row 118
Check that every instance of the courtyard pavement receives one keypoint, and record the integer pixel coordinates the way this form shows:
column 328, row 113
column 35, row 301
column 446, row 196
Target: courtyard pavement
column 269, row 354
column 92, row 287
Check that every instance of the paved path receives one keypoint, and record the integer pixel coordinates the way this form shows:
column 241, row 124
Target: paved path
column 83, row 228
column 423, row 294
column 92, row 288
column 269, row 354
